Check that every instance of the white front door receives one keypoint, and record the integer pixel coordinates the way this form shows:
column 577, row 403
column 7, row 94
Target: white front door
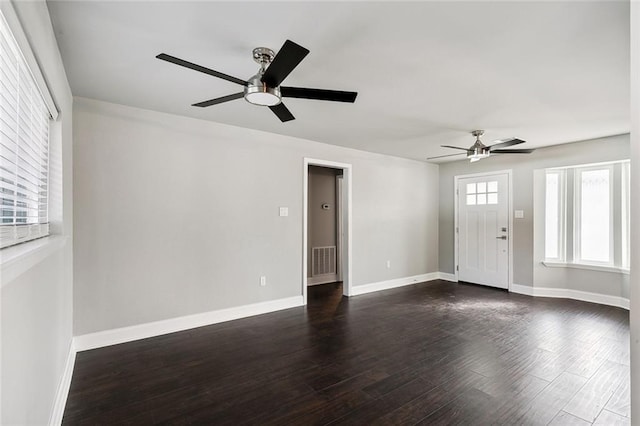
column 483, row 220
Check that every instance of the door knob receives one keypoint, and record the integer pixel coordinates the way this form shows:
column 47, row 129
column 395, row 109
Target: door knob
column 504, row 237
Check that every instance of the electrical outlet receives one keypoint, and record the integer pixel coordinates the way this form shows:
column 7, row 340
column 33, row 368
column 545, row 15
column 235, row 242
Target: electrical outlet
column 388, row 264
column 263, row 281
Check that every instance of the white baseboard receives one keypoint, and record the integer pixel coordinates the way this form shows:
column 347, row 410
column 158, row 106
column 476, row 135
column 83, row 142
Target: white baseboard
column 521, row 289
column 322, row 279
column 157, row 328
column 397, row 282
column 63, row 388
column 566, row 293
column 447, row 277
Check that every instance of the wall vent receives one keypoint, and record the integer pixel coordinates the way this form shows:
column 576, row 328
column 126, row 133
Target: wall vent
column 323, row 260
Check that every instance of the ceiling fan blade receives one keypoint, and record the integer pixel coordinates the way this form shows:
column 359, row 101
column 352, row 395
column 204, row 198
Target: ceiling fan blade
column 318, row 94
column 289, row 56
column 442, row 156
column 219, row 100
column 505, row 143
column 454, row 147
column 196, row 67
column 512, row 151
column 282, row 112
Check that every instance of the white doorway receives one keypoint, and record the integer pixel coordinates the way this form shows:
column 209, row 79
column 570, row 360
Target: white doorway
column 483, row 229
column 344, row 223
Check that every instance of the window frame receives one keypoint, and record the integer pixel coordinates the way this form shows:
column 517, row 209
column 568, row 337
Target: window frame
column 625, row 210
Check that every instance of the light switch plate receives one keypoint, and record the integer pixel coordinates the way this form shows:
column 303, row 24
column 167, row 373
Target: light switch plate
column 519, row 214
column 284, row 211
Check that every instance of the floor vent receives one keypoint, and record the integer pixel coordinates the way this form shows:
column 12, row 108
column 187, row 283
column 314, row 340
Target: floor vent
column 323, row 260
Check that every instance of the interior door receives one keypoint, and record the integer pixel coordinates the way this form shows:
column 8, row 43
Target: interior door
column 483, row 220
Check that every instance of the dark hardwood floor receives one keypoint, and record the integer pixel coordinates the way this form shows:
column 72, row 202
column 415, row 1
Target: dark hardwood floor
column 432, row 353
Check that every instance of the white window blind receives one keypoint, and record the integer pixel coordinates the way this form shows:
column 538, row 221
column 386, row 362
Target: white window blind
column 24, row 147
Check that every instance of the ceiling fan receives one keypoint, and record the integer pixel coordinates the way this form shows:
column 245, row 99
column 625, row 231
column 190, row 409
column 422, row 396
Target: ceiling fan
column 264, row 88
column 478, row 150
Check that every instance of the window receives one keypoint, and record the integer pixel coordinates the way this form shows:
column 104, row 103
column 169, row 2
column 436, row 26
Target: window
column 24, row 147
column 594, row 201
column 482, row 193
column 554, row 215
column 593, row 218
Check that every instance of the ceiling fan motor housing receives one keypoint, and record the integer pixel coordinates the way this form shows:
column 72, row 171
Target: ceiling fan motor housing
column 258, row 93
column 478, row 150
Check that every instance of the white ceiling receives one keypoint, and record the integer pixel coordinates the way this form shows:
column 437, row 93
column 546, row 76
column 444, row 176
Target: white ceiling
column 427, row 73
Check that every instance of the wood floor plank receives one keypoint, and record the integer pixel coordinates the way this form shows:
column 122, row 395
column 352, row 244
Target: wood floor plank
column 607, row 418
column 471, row 404
column 565, row 419
column 436, row 353
column 620, row 402
column 594, row 395
column 432, row 400
column 546, row 404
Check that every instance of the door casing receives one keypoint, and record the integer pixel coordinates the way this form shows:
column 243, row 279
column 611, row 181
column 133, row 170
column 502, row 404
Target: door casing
column 346, row 221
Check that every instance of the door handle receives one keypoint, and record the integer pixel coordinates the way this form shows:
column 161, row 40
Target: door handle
column 504, row 237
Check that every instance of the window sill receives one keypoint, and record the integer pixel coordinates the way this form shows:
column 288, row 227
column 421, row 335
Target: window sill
column 588, row 267
column 18, row 259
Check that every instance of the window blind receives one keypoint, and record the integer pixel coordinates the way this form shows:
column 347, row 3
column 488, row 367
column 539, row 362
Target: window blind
column 24, row 147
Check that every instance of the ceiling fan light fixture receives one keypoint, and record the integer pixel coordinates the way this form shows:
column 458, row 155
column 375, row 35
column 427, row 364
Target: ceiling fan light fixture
column 478, row 153
column 266, row 98
column 258, row 93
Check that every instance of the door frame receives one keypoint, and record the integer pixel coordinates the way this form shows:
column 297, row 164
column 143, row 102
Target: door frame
column 339, row 225
column 456, row 179
column 346, row 209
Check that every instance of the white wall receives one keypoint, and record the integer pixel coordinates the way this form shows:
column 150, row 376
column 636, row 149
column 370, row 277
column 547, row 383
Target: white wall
column 176, row 216
column 634, row 319
column 525, row 260
column 36, row 298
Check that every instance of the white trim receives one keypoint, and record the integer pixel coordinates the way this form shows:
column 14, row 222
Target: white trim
column 578, row 166
column 18, row 259
column 565, row 293
column 322, row 279
column 521, row 289
column 397, row 282
column 447, row 277
column 346, row 173
column 339, row 225
column 599, row 268
column 63, row 388
column 158, row 328
column 509, row 173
